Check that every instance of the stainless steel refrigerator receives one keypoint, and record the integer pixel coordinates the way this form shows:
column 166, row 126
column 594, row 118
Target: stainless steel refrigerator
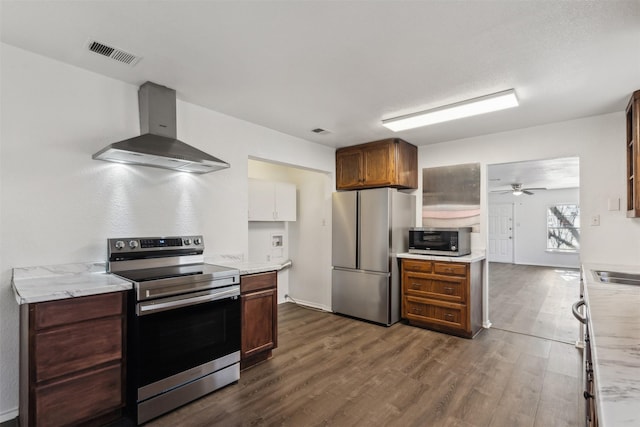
column 369, row 227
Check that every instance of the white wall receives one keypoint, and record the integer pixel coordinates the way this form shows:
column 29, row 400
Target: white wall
column 309, row 237
column 59, row 206
column 598, row 142
column 530, row 226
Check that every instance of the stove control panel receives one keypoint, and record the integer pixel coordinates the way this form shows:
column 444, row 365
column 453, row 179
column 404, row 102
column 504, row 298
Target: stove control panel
column 153, row 244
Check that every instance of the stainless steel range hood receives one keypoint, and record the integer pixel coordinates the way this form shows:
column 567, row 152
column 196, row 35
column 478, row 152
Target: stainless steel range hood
column 158, row 146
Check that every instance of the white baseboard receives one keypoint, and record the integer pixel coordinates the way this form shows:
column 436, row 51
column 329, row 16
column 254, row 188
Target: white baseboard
column 8, row 415
column 309, row 304
column 546, row 265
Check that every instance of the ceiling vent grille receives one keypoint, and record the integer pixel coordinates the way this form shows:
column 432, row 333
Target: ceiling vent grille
column 319, row 131
column 113, row 53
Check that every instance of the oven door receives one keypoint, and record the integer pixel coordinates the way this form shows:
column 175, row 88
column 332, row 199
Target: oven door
column 177, row 340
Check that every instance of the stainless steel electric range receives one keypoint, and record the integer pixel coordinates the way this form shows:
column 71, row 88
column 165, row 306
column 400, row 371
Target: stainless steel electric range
column 183, row 324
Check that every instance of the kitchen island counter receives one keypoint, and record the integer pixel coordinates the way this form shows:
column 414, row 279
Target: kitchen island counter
column 472, row 257
column 614, row 311
column 55, row 282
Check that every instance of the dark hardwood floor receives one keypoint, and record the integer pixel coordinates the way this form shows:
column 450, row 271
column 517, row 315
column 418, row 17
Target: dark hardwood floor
column 333, row 370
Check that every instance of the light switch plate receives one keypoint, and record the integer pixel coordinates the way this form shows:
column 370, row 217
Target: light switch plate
column 614, row 203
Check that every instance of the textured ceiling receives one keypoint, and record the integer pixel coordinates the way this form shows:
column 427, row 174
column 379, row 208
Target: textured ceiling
column 345, row 65
column 551, row 174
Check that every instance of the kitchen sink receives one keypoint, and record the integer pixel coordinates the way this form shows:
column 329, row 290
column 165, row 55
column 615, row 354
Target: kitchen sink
column 617, row 277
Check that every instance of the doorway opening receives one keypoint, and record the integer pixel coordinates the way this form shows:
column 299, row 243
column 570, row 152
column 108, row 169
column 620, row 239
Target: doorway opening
column 533, row 279
column 305, row 241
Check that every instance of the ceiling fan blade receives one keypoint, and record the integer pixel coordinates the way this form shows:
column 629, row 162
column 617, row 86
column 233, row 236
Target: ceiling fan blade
column 527, row 192
column 500, row 191
column 535, row 188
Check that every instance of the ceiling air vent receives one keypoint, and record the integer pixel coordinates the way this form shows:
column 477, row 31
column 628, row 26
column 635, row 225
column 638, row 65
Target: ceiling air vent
column 113, row 53
column 319, row 131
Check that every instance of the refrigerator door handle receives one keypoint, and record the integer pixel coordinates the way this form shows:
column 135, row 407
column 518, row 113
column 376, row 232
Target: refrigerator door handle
column 379, row 273
column 358, row 230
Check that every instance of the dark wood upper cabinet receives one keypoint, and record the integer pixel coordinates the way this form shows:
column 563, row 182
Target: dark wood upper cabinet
column 386, row 163
column 633, row 153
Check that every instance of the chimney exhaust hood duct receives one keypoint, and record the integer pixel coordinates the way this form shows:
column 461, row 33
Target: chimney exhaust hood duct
column 158, row 146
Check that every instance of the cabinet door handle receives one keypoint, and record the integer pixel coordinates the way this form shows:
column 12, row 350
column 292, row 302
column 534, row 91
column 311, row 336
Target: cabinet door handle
column 448, row 290
column 449, row 316
column 415, row 286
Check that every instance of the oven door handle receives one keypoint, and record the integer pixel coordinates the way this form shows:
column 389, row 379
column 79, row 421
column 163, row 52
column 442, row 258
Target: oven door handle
column 150, row 307
column 574, row 308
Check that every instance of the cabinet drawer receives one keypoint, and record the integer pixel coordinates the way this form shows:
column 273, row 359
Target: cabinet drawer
column 75, row 347
column 428, row 311
column 437, row 287
column 61, row 312
column 254, row 282
column 78, row 398
column 450, row 268
column 421, row 266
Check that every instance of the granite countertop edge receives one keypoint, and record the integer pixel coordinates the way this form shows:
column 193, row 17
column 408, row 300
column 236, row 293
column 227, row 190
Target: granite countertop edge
column 250, row 267
column 615, row 339
column 472, row 257
column 56, row 282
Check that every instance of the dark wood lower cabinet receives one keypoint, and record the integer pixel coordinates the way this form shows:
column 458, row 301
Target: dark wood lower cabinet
column 72, row 356
column 443, row 296
column 259, row 305
column 79, row 398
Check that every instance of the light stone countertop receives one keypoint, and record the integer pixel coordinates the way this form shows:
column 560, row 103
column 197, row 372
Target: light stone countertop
column 247, row 267
column 614, row 324
column 472, row 257
column 54, row 282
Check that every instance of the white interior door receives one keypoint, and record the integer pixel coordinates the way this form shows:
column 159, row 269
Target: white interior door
column 501, row 232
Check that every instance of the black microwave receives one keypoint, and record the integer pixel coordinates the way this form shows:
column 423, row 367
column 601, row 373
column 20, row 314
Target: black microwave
column 440, row 241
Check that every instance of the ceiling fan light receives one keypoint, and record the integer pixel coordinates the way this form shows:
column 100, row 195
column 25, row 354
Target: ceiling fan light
column 471, row 107
column 517, row 192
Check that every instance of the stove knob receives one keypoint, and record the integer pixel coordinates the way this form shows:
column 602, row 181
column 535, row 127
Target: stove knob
column 119, row 244
column 133, row 244
column 197, row 241
column 187, row 242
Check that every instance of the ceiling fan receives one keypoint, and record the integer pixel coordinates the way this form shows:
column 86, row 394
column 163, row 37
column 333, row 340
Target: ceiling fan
column 516, row 190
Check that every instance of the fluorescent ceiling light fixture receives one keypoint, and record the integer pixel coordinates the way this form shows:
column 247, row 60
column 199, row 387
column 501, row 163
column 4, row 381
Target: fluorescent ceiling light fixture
column 471, row 107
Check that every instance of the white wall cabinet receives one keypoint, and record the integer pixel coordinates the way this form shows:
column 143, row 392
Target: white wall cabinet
column 271, row 201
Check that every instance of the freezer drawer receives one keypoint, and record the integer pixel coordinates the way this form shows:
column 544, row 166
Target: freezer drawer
column 361, row 294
